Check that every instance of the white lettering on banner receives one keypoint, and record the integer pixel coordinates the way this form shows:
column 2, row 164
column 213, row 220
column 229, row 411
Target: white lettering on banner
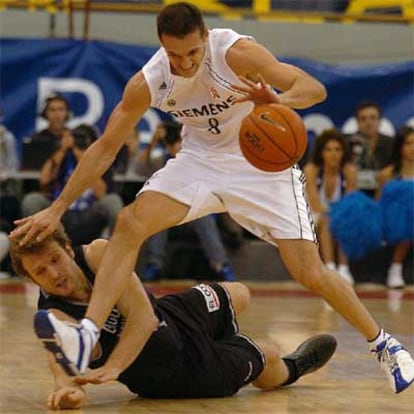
column 92, row 92
column 410, row 122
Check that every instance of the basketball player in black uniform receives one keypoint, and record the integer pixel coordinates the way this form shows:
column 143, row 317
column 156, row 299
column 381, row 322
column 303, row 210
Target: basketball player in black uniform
column 185, row 345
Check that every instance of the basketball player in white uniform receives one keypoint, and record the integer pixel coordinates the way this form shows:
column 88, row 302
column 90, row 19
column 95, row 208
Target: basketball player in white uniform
column 209, row 81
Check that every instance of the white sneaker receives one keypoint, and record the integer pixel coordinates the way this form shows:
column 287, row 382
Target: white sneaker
column 395, row 280
column 70, row 343
column 344, row 272
column 396, row 362
column 4, row 275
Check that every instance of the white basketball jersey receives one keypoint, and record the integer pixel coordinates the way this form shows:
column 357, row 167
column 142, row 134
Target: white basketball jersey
column 204, row 104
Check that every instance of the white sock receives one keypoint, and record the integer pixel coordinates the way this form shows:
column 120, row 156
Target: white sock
column 343, row 268
column 331, row 266
column 381, row 337
column 92, row 328
column 396, row 268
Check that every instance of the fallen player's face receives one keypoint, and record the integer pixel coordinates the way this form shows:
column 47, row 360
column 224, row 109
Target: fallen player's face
column 185, row 54
column 54, row 270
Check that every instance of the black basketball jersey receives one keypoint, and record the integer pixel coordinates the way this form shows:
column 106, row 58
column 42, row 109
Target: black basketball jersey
column 158, row 360
column 195, row 351
column 160, row 345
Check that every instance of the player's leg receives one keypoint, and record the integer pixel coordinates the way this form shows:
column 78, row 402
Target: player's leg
column 65, row 394
column 44, row 323
column 150, row 213
column 311, row 355
column 239, row 295
column 302, row 260
column 275, row 371
column 275, row 209
column 164, row 201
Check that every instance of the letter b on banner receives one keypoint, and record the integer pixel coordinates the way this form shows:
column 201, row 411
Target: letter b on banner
column 92, row 93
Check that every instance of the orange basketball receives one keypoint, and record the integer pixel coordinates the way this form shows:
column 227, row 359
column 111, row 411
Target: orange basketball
column 273, row 137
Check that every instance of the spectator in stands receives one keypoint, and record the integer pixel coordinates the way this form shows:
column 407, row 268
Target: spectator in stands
column 96, row 209
column 145, row 161
column 167, row 140
column 401, row 169
column 168, row 135
column 329, row 175
column 371, row 150
column 56, row 112
column 132, row 143
column 9, row 195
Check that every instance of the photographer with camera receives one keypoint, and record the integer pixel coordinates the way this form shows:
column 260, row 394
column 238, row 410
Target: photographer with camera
column 58, row 137
column 97, row 208
column 167, row 135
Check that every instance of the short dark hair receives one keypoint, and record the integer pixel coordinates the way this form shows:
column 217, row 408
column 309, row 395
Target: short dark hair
column 17, row 251
column 367, row 104
column 85, row 135
column 179, row 20
column 321, row 141
column 53, row 98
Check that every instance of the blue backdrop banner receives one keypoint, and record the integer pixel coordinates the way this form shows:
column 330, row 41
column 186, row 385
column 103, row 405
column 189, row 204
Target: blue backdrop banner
column 92, row 76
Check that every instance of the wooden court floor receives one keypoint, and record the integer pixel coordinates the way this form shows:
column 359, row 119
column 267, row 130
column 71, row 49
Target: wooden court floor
column 281, row 312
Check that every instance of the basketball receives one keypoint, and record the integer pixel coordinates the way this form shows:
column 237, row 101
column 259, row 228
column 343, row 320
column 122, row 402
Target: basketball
column 273, row 137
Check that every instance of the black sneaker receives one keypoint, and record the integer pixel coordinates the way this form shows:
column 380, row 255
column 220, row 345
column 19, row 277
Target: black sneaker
column 311, row 355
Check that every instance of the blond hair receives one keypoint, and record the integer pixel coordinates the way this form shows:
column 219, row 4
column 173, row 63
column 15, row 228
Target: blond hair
column 17, row 251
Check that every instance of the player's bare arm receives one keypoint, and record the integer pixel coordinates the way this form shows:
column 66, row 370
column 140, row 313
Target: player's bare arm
column 66, row 393
column 253, row 63
column 140, row 322
column 95, row 161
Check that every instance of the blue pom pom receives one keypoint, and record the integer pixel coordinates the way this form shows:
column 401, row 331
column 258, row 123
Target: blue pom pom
column 397, row 209
column 355, row 222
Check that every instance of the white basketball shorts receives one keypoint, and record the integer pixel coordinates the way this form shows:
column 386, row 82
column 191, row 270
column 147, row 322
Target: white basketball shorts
column 270, row 205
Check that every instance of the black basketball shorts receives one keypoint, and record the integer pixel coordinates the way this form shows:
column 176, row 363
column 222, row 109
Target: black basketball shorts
column 224, row 360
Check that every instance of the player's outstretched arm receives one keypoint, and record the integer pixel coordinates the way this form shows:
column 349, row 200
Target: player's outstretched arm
column 298, row 89
column 94, row 162
column 66, row 394
column 68, row 397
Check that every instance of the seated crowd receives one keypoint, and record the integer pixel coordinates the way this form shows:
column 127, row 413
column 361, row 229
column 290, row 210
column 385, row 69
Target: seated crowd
column 337, row 165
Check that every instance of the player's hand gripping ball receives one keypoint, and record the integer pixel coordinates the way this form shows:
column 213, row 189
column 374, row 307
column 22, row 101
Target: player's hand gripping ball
column 273, row 137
